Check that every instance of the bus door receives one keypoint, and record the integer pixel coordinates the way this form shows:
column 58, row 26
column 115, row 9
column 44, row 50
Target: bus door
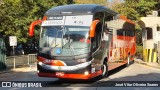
column 96, row 47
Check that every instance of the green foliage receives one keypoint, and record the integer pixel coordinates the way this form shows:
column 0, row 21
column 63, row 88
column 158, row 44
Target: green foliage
column 139, row 51
column 139, row 36
column 17, row 15
column 145, row 7
column 101, row 2
column 134, row 9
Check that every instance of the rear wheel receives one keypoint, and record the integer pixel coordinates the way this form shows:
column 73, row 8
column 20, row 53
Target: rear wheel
column 104, row 69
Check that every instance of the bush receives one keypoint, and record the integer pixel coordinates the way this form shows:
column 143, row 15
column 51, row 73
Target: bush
column 139, row 51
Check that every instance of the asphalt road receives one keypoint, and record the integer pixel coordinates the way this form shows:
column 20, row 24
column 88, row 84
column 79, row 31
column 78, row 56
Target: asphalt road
column 135, row 72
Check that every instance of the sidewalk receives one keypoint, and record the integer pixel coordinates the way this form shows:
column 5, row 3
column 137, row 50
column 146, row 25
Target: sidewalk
column 21, row 63
column 151, row 64
column 20, row 69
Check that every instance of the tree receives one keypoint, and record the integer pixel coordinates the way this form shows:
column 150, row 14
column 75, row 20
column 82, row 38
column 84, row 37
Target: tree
column 102, row 2
column 134, row 9
column 127, row 9
column 145, row 7
column 16, row 15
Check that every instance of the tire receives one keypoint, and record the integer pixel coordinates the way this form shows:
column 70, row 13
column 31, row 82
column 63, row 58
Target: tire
column 104, row 69
column 128, row 61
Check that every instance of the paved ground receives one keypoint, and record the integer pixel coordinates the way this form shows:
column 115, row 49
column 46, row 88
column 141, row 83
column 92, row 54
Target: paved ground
column 32, row 67
column 135, row 72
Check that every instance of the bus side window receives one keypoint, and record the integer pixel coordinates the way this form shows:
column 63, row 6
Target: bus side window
column 120, row 32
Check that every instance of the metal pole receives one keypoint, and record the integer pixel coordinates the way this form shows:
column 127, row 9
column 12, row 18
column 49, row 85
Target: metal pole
column 28, row 59
column 14, row 58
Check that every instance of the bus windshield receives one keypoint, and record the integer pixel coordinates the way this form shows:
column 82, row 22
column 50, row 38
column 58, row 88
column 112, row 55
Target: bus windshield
column 68, row 38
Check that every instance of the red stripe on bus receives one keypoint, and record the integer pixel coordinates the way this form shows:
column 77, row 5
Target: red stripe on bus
column 71, row 76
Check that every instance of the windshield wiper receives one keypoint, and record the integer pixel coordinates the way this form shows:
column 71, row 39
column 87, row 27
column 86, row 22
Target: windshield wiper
column 72, row 50
column 54, row 41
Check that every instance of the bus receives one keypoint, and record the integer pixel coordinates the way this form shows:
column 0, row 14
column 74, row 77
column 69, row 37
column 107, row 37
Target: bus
column 83, row 41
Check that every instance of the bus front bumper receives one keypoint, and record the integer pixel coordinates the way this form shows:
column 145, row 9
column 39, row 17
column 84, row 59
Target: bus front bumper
column 70, row 76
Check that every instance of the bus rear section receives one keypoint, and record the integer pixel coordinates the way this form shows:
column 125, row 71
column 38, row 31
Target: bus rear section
column 123, row 45
column 71, row 42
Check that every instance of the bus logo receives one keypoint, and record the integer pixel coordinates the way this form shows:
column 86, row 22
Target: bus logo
column 58, row 51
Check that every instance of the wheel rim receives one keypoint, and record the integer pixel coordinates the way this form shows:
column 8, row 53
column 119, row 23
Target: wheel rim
column 128, row 61
column 104, row 70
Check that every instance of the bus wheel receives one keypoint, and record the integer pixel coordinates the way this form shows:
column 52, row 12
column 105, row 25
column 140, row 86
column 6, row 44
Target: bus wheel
column 104, row 69
column 128, row 60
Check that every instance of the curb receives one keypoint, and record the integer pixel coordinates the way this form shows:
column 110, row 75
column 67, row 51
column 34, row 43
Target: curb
column 154, row 65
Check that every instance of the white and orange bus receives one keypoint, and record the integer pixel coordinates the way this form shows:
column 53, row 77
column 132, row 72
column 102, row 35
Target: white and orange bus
column 83, row 41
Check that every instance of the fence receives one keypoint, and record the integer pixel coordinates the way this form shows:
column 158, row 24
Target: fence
column 32, row 59
column 21, row 60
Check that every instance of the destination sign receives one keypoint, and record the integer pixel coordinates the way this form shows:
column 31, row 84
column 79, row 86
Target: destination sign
column 83, row 20
column 55, row 18
column 52, row 22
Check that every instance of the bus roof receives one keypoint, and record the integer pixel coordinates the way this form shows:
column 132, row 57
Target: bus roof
column 77, row 9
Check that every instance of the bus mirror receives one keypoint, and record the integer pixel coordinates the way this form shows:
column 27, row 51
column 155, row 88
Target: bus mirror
column 93, row 28
column 32, row 25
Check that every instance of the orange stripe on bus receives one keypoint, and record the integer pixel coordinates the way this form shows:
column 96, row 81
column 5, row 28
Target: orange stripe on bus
column 125, row 18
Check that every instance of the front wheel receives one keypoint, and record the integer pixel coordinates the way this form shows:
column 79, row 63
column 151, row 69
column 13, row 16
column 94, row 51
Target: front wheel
column 104, row 69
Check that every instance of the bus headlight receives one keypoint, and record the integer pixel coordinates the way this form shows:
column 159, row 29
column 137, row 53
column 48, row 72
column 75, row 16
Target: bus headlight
column 86, row 73
column 40, row 63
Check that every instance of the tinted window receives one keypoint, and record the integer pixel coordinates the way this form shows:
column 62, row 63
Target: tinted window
column 123, row 32
column 149, row 33
column 120, row 32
